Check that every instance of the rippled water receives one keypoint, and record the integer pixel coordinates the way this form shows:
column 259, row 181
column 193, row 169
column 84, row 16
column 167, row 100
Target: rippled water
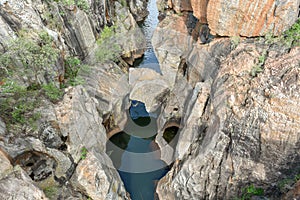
column 148, row 26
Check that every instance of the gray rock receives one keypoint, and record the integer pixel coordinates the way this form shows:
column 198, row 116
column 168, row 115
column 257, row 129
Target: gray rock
column 191, row 124
column 79, row 120
column 171, row 42
column 172, row 113
column 79, row 33
column 96, row 176
column 2, row 127
column 5, row 165
column 248, row 131
column 17, row 185
column 138, row 8
column 24, row 14
column 108, row 84
column 148, row 87
column 203, row 61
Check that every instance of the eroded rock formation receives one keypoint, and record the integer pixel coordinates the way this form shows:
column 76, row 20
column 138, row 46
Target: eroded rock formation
column 240, row 18
column 251, row 18
column 247, row 132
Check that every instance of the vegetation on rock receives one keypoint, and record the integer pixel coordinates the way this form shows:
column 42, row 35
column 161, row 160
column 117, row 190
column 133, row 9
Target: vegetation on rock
column 108, row 48
column 289, row 38
column 81, row 4
column 30, row 57
column 27, row 75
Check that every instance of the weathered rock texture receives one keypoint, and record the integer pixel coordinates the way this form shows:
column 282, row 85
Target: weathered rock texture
column 246, row 133
column 51, row 154
column 246, row 18
column 171, row 41
column 147, row 86
column 200, row 9
column 97, row 178
column 138, row 8
column 17, row 185
column 251, row 18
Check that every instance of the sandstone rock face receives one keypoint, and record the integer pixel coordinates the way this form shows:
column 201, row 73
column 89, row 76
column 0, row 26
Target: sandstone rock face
column 250, row 18
column 192, row 119
column 180, row 5
column 247, row 132
column 203, row 61
column 179, row 109
column 17, row 185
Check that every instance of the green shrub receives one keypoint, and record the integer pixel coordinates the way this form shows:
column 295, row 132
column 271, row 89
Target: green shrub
column 289, row 38
column 108, row 49
column 50, row 191
column 27, row 56
column 73, row 68
column 83, row 152
column 52, row 92
column 258, row 68
column 19, row 104
column 251, row 191
column 81, row 4
column 235, row 40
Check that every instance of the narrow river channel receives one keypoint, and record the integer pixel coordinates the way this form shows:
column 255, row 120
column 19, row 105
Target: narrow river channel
column 133, row 151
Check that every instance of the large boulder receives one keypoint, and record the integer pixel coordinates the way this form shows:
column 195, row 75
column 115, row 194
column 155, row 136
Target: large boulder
column 108, row 84
column 248, row 132
column 203, row 61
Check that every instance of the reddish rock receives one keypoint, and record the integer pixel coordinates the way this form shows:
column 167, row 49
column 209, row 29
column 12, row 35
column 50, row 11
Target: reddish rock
column 180, row 5
column 249, row 17
column 199, row 9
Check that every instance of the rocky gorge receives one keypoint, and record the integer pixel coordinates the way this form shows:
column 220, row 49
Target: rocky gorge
column 226, row 95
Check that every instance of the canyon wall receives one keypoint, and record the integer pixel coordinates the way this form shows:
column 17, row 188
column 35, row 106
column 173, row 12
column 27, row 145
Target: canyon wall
column 63, row 155
column 240, row 18
column 237, row 119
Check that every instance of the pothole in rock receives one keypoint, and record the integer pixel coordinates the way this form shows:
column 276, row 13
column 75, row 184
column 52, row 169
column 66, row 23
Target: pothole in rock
column 38, row 166
column 170, row 133
column 135, row 154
